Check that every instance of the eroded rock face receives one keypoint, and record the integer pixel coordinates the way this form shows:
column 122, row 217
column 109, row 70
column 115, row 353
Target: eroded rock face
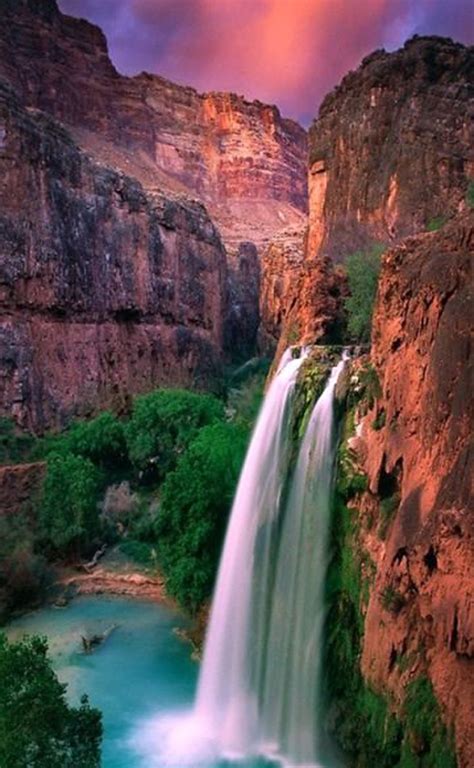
column 390, row 154
column 242, row 158
column 20, row 485
column 114, row 279
column 106, row 289
column 282, row 262
column 417, row 450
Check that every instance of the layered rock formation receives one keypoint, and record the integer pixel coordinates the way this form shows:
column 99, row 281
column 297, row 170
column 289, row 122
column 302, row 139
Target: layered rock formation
column 242, row 158
column 416, row 521
column 105, row 288
column 391, row 154
column 113, row 278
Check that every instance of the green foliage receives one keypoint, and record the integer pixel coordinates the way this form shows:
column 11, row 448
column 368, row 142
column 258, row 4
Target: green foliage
column 362, row 720
column 350, row 481
column 164, row 423
column 244, row 403
column 101, row 440
column 192, row 517
column 68, row 515
column 436, row 223
column 427, row 736
column 379, row 421
column 362, row 270
column 15, row 446
column 388, row 507
column 37, row 727
column 293, row 333
column 24, row 574
column 470, row 194
column 140, row 551
column 392, row 600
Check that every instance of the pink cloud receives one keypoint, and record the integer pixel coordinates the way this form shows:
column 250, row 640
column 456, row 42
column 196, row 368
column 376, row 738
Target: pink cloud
column 289, row 52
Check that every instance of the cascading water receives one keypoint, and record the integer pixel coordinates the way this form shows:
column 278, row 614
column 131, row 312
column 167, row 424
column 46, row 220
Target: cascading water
column 259, row 682
column 227, row 706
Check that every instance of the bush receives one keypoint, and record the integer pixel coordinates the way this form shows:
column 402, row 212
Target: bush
column 68, row 515
column 15, row 446
column 37, row 727
column 24, row 574
column 192, row 517
column 164, row 423
column 362, row 269
column 102, row 440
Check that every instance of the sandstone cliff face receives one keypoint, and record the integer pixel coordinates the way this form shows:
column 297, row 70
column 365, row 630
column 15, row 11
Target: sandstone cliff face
column 417, row 519
column 242, row 158
column 105, row 289
column 391, row 150
column 113, row 277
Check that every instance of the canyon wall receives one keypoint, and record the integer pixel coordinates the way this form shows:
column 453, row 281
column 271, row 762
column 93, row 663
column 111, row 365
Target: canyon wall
column 105, row 288
column 390, row 154
column 411, row 538
column 114, row 276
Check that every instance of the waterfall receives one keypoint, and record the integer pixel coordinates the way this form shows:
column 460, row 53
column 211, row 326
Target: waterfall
column 226, row 706
column 259, row 683
column 258, row 689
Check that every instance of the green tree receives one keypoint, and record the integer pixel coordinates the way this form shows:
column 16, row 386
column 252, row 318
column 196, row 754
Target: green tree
column 192, row 517
column 68, row 516
column 164, row 423
column 362, row 269
column 37, row 727
column 24, row 574
column 102, row 440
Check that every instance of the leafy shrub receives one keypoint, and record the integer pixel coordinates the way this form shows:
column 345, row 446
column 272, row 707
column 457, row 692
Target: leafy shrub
column 362, row 270
column 379, row 421
column 427, row 736
column 37, row 727
column 68, row 515
column 392, row 600
column 24, row 574
column 15, row 446
column 388, row 507
column 164, row 423
column 102, row 440
column 192, row 517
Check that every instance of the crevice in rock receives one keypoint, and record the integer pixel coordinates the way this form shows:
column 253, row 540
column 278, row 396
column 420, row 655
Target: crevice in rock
column 431, row 560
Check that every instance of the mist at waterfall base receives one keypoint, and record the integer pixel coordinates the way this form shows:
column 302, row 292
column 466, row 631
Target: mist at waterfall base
column 258, row 692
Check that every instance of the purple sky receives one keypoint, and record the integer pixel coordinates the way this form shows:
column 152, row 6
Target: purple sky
column 286, row 52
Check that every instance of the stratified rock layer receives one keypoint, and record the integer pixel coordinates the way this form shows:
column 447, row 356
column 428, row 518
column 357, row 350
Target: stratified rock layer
column 105, row 288
column 391, row 154
column 113, row 278
column 419, row 461
column 242, row 158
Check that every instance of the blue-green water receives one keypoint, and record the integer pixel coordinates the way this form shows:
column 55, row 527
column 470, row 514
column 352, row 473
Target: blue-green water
column 142, row 674
column 142, row 668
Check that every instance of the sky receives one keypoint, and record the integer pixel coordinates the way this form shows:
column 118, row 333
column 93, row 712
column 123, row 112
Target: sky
column 284, row 52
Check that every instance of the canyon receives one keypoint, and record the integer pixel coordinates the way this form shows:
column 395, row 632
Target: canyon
column 134, row 236
column 151, row 235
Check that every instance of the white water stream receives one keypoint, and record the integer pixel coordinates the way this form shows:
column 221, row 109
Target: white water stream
column 258, row 691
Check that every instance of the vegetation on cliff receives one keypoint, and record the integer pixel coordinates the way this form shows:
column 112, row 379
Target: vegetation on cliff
column 370, row 726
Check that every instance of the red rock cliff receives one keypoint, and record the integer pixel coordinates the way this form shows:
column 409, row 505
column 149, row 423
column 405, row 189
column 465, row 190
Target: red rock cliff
column 106, row 289
column 391, row 150
column 113, row 279
column 417, row 451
